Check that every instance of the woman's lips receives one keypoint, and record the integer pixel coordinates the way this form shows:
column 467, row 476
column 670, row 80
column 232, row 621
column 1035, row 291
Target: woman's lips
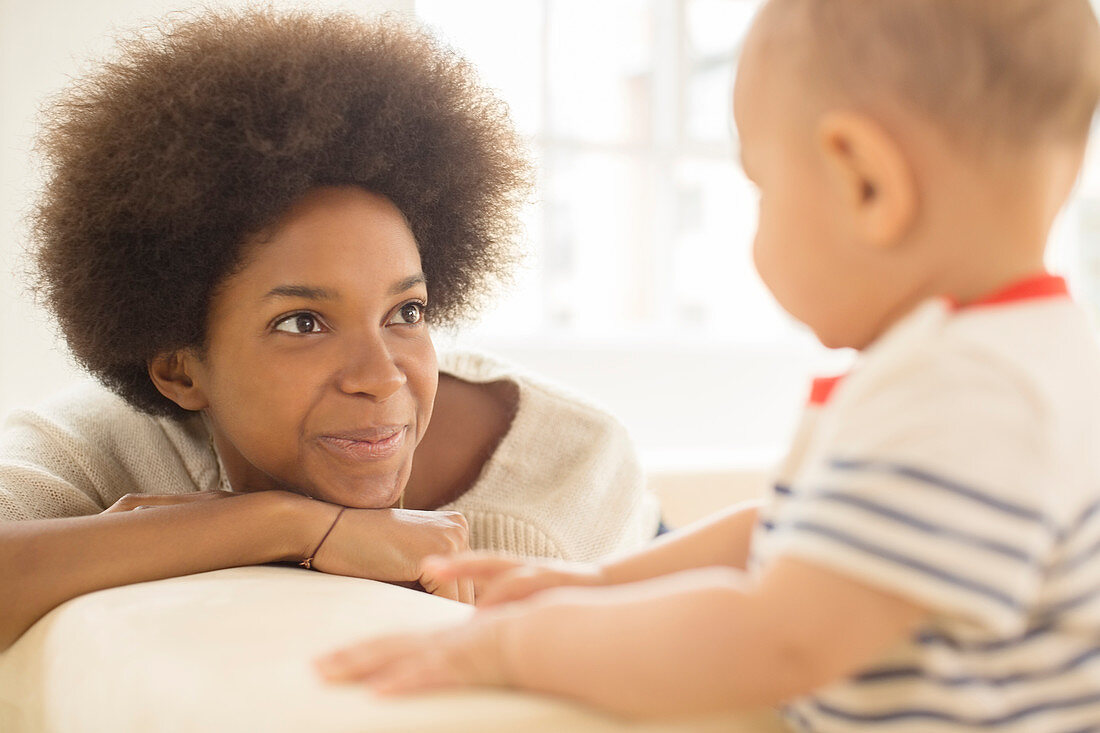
column 375, row 444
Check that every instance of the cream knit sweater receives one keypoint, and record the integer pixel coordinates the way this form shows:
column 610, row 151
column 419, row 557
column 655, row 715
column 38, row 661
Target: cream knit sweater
column 563, row 483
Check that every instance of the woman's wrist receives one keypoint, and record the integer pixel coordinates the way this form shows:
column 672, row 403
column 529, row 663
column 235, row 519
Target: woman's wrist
column 297, row 523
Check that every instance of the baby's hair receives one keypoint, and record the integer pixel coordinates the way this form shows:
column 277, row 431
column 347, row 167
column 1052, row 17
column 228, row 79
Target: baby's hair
column 1000, row 71
column 164, row 163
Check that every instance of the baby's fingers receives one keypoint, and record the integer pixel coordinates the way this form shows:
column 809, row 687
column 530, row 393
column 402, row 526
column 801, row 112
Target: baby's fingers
column 368, row 657
column 418, row 673
column 472, row 565
column 513, row 587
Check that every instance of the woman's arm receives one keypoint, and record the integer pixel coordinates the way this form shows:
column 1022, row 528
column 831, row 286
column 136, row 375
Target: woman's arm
column 46, row 562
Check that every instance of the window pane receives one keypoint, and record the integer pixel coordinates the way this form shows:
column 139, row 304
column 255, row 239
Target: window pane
column 714, row 31
column 596, row 241
column 509, row 61
column 716, row 289
column 600, row 67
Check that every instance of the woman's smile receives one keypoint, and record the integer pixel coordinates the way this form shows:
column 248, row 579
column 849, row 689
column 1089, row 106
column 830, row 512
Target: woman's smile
column 370, row 444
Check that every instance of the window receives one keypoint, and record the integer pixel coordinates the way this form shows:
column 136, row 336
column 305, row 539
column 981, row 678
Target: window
column 641, row 290
column 643, row 221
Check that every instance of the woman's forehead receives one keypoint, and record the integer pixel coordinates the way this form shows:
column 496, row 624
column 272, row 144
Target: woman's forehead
column 332, row 243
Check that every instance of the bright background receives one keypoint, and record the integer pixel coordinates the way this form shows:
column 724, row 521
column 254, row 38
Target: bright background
column 639, row 290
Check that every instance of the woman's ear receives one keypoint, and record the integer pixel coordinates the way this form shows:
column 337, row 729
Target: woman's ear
column 875, row 178
column 174, row 374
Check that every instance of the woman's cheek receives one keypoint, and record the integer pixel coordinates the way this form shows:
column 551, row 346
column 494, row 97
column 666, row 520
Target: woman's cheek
column 426, row 370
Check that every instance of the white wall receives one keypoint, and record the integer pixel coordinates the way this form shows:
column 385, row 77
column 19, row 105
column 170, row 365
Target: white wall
column 42, row 44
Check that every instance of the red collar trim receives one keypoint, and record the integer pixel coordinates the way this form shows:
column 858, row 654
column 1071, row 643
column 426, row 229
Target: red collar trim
column 822, row 388
column 1043, row 285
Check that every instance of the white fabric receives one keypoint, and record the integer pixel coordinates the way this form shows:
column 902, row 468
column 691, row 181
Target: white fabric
column 564, row 482
column 958, row 465
column 230, row 651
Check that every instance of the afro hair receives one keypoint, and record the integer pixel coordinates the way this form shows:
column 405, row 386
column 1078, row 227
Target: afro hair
column 164, row 161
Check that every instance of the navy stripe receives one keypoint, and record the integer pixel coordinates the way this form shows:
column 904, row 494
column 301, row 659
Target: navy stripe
column 965, row 538
column 1083, row 517
column 957, row 580
column 1053, row 609
column 926, row 714
column 1077, row 524
column 929, row 637
column 1006, row 507
column 782, row 489
column 901, row 673
column 792, row 715
column 1072, row 563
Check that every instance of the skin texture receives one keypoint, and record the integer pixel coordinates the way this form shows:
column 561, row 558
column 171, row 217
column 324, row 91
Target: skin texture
column 317, row 348
column 861, row 217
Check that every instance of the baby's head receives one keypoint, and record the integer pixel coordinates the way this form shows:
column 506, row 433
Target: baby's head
column 909, row 148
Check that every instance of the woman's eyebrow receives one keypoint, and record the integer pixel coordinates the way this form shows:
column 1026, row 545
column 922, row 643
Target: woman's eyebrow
column 402, row 285
column 301, row 291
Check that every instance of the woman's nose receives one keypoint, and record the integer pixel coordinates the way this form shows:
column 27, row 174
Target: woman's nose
column 369, row 369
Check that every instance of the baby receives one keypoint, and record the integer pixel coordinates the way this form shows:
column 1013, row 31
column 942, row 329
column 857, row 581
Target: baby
column 929, row 558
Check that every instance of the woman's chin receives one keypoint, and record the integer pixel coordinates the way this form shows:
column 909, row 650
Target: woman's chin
column 380, row 492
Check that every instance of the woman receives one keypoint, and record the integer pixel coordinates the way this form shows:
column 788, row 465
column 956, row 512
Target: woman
column 248, row 224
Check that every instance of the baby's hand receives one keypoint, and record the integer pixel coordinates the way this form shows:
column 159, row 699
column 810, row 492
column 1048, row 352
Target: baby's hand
column 502, row 579
column 469, row 654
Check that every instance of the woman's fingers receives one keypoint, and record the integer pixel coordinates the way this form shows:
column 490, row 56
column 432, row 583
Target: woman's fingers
column 466, row 592
column 461, row 590
column 130, row 502
column 435, row 580
column 448, row 589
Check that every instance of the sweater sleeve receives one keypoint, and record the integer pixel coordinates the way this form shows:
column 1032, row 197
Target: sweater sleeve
column 565, row 482
column 80, row 452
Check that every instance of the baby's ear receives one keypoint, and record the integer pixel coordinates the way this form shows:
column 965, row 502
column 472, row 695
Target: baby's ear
column 174, row 374
column 874, row 176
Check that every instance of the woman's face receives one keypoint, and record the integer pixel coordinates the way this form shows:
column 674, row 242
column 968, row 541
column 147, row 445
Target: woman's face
column 319, row 373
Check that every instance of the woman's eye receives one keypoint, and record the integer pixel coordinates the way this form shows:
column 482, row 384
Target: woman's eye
column 409, row 314
column 299, row 323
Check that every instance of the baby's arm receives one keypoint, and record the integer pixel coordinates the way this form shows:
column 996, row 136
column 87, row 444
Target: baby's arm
column 691, row 642
column 721, row 539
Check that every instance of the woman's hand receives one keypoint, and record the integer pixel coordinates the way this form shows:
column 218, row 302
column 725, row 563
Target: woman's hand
column 129, row 502
column 503, row 579
column 391, row 545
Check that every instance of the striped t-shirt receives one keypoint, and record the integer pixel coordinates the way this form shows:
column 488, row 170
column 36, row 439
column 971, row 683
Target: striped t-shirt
column 958, row 465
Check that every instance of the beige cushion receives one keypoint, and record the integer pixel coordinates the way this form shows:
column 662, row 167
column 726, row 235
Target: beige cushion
column 230, row 650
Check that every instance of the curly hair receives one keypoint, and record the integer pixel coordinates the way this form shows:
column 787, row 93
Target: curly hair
column 163, row 162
